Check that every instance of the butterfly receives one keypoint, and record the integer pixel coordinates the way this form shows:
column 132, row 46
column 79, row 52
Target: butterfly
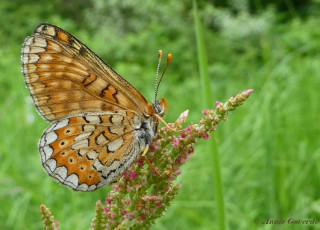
column 99, row 122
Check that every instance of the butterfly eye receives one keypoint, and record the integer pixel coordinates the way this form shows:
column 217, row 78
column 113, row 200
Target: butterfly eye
column 160, row 107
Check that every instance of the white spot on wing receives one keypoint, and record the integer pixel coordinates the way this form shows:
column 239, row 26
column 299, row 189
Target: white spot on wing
column 60, row 173
column 72, row 181
column 101, row 139
column 28, row 41
column 61, row 123
column 81, row 144
column 83, row 187
column 82, row 136
column 32, row 58
column 115, row 144
column 46, row 57
column 83, row 151
column 39, row 29
column 116, row 119
column 25, row 49
column 52, row 164
column 33, row 49
column 40, row 42
column 29, row 68
column 88, row 128
column 24, row 58
column 98, row 165
column 116, row 130
column 93, row 119
column 115, row 164
column 46, row 74
column 50, row 30
column 33, row 77
column 92, row 187
column 50, row 137
column 46, row 153
column 92, row 154
column 44, row 66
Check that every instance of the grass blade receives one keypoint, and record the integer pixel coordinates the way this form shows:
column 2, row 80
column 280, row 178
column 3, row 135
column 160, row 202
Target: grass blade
column 207, row 97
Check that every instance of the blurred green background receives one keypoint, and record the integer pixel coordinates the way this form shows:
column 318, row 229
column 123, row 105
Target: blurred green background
column 269, row 147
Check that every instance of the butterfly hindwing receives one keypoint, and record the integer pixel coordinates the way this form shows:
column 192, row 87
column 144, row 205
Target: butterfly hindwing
column 87, row 151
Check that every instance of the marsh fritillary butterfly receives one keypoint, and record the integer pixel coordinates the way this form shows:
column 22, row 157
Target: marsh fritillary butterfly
column 99, row 121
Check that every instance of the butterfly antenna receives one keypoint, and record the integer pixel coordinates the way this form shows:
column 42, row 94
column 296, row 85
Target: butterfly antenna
column 157, row 73
column 165, row 68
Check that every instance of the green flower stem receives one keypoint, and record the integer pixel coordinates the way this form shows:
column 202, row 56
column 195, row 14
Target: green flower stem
column 48, row 219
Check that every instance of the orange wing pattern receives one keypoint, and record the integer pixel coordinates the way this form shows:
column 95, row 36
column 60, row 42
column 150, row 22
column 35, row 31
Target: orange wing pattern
column 65, row 77
column 90, row 150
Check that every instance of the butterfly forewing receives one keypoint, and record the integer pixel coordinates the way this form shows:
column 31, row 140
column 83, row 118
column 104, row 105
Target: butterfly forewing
column 65, row 77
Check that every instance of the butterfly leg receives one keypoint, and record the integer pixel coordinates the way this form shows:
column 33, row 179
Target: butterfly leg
column 148, row 162
column 152, row 166
column 145, row 151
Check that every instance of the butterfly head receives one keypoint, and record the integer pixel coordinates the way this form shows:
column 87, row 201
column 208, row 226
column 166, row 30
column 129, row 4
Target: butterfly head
column 160, row 107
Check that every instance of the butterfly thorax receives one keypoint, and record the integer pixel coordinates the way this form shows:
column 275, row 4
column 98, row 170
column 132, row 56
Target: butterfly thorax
column 146, row 131
column 147, row 127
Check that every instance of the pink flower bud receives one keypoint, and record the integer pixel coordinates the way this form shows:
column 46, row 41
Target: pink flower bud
column 218, row 103
column 108, row 200
column 183, row 117
column 175, row 142
column 206, row 136
column 133, row 174
column 106, row 210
